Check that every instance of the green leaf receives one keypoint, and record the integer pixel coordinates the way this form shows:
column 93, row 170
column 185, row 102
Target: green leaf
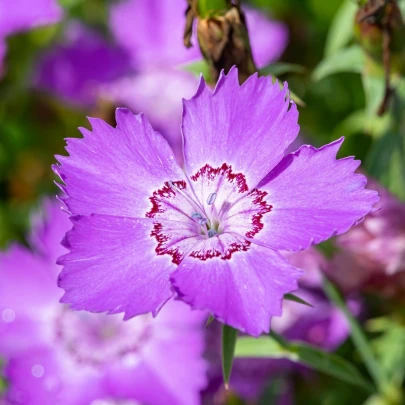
column 374, row 89
column 390, row 347
column 358, row 122
column 292, row 297
column 385, row 162
column 386, row 159
column 229, row 336
column 350, row 59
column 341, row 28
column 69, row 3
column 358, row 336
column 197, row 68
column 276, row 347
column 281, row 68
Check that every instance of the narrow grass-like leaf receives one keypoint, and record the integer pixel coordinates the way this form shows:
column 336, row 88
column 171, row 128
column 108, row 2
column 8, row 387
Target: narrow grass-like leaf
column 374, row 89
column 341, row 29
column 229, row 336
column 292, row 297
column 358, row 336
column 275, row 346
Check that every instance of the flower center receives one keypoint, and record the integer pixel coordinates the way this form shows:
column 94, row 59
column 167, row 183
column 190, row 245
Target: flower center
column 213, row 214
column 97, row 339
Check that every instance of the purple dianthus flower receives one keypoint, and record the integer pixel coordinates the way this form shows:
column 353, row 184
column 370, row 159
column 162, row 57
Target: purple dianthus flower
column 145, row 230
column 57, row 356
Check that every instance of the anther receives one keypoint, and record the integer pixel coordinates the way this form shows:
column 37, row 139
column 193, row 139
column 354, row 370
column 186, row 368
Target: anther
column 211, row 198
column 196, row 215
column 212, row 232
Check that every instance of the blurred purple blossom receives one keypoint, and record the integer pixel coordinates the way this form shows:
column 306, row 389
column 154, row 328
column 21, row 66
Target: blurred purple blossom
column 57, row 356
column 375, row 249
column 23, row 15
column 75, row 69
column 152, row 32
column 212, row 232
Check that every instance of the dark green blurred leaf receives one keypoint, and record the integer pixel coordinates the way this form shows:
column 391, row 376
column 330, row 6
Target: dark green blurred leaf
column 276, row 389
column 358, row 336
column 281, row 68
column 345, row 60
column 278, row 348
column 229, row 336
column 386, row 159
column 69, row 3
column 341, row 29
column 385, row 162
column 292, row 297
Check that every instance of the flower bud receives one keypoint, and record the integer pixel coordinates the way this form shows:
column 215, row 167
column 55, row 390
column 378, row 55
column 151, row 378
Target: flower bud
column 223, row 39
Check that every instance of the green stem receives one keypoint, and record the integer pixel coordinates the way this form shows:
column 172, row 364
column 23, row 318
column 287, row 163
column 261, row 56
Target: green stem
column 211, row 8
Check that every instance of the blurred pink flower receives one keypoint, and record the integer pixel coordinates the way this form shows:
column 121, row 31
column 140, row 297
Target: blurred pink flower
column 374, row 250
column 23, row 15
column 57, row 356
column 75, row 69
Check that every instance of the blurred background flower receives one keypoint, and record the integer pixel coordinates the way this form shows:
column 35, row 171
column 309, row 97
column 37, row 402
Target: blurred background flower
column 57, row 356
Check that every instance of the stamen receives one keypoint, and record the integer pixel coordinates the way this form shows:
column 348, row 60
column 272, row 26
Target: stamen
column 196, row 215
column 211, row 198
column 212, row 232
column 180, row 191
column 203, row 221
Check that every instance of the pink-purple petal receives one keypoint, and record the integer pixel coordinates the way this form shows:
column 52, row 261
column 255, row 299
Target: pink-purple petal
column 268, row 38
column 244, row 291
column 48, row 227
column 152, row 32
column 248, row 127
column 114, row 171
column 313, row 196
column 157, row 93
column 113, row 267
column 22, row 15
column 172, row 371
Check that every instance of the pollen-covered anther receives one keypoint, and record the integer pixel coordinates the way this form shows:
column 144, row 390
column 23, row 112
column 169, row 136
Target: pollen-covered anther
column 211, row 198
